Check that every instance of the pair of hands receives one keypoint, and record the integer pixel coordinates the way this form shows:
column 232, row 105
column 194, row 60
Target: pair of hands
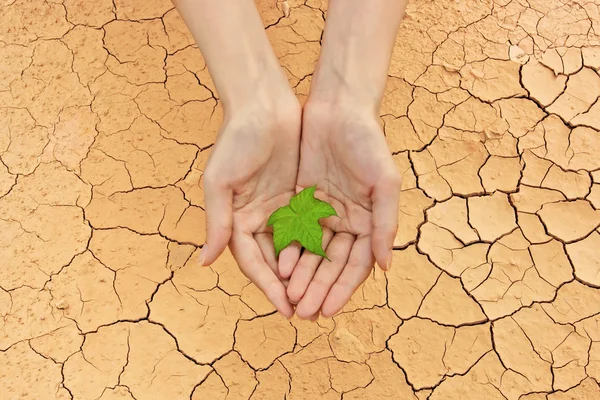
column 269, row 150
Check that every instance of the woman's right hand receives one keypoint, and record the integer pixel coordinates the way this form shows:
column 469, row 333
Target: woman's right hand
column 251, row 172
column 253, row 165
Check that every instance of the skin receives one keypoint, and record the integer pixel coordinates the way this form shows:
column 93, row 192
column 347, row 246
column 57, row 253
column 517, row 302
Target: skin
column 268, row 149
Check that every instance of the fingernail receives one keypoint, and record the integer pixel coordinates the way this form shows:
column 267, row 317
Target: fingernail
column 202, row 256
column 388, row 266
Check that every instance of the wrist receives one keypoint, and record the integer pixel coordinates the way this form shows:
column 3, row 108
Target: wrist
column 339, row 86
column 274, row 108
column 322, row 117
column 267, row 90
column 334, row 103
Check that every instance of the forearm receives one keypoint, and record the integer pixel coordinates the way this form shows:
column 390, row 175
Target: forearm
column 238, row 54
column 357, row 45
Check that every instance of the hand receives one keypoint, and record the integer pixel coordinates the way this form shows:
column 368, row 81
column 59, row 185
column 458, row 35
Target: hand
column 251, row 172
column 344, row 152
column 253, row 166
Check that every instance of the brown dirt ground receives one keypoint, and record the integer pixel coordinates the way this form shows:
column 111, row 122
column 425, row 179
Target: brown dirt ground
column 107, row 115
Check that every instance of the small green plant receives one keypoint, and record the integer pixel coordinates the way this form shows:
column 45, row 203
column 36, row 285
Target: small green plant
column 299, row 221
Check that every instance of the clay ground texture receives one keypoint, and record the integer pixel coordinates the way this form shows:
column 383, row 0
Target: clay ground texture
column 107, row 117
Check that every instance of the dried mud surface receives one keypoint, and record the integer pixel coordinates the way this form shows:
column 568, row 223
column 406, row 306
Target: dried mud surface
column 107, row 116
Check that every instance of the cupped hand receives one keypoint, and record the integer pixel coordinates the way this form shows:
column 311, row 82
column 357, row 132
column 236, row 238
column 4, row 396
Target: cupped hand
column 344, row 152
column 251, row 172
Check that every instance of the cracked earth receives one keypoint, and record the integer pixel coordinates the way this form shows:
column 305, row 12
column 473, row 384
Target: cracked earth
column 107, row 117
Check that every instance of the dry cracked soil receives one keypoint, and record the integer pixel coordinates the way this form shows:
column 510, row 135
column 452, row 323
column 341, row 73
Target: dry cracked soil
column 107, row 117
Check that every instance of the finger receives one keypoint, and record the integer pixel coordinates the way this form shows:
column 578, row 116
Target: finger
column 247, row 254
column 314, row 317
column 326, row 275
column 219, row 220
column 305, row 270
column 267, row 248
column 360, row 265
column 288, row 258
column 386, row 196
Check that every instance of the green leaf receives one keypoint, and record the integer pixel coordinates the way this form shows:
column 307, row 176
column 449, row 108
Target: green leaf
column 299, row 221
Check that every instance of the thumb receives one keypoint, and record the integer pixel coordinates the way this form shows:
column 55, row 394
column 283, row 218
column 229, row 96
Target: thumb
column 219, row 221
column 386, row 196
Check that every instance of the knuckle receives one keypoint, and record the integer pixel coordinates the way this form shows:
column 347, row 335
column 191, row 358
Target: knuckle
column 210, row 178
column 393, row 177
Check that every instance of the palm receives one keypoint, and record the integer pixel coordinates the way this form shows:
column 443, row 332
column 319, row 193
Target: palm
column 260, row 170
column 348, row 159
column 338, row 161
